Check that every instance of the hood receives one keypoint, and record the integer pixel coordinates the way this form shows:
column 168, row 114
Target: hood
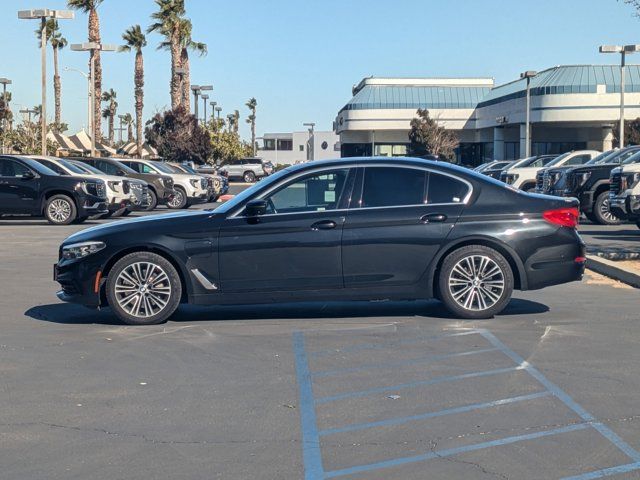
column 593, row 168
column 558, row 169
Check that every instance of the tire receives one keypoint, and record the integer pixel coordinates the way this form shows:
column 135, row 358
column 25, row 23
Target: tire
column 461, row 271
column 179, row 200
column 601, row 212
column 136, row 302
column 126, row 212
column 531, row 187
column 153, row 201
column 79, row 220
column 60, row 210
column 119, row 212
column 109, row 214
column 249, row 177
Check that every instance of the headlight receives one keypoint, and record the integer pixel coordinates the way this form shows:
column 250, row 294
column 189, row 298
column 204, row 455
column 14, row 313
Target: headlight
column 81, row 250
column 90, row 188
column 582, row 178
column 194, row 182
column 633, row 179
column 113, row 186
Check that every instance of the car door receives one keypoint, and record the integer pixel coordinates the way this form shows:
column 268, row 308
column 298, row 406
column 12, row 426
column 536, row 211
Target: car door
column 295, row 245
column 18, row 194
column 401, row 219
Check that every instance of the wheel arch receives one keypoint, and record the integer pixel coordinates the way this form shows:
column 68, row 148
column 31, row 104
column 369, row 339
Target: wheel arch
column 56, row 191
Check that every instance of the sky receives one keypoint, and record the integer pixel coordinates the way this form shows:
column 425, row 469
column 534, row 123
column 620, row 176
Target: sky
column 300, row 58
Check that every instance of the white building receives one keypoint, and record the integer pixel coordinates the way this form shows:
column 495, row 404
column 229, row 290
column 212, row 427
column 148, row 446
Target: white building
column 572, row 107
column 296, row 147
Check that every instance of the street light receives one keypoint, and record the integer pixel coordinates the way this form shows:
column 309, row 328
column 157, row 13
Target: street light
column 88, row 77
column 310, row 151
column 622, row 50
column 529, row 74
column 231, row 118
column 205, row 97
column 92, row 47
column 43, row 14
column 197, row 90
column 218, row 109
column 213, row 109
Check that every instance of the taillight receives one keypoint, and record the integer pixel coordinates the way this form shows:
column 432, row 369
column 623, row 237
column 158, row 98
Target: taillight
column 565, row 217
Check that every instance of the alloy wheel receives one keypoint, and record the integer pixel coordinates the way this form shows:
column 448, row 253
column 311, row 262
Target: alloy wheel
column 476, row 282
column 606, row 212
column 177, row 199
column 59, row 210
column 143, row 289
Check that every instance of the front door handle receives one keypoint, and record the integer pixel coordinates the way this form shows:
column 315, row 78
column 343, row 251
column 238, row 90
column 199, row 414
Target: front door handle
column 324, row 225
column 433, row 218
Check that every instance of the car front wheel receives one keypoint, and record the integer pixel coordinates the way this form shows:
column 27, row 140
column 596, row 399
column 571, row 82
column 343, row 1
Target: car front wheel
column 601, row 211
column 179, row 200
column 249, row 177
column 152, row 201
column 143, row 288
column 475, row 282
column 60, row 210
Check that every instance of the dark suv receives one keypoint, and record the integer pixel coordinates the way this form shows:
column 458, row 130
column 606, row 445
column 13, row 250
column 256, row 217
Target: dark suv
column 160, row 186
column 590, row 184
column 29, row 188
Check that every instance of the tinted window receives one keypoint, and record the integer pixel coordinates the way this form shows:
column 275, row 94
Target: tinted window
column 579, row 160
column 313, row 193
column 53, row 166
column 11, row 168
column 445, row 189
column 107, row 167
column 391, row 186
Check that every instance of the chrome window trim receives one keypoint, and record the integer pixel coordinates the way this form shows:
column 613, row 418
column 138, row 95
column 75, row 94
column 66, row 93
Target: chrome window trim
column 465, row 200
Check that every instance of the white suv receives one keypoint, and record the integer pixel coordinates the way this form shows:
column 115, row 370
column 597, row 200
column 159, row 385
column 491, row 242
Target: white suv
column 624, row 194
column 190, row 189
column 522, row 174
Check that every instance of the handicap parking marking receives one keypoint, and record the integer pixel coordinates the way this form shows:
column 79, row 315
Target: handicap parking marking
column 311, row 433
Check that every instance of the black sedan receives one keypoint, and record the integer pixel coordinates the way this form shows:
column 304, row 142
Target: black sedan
column 349, row 229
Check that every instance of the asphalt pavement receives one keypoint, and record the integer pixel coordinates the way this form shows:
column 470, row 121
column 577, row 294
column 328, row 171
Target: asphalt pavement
column 385, row 390
column 612, row 241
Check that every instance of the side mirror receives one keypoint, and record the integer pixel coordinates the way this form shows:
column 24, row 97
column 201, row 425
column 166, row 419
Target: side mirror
column 255, row 208
column 121, row 173
column 28, row 175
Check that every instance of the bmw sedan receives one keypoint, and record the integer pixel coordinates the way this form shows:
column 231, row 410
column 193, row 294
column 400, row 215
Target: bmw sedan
column 348, row 229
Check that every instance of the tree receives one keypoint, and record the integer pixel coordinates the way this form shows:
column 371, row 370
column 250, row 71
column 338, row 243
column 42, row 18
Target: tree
column 429, row 138
column 236, row 121
column 631, row 132
column 90, row 7
column 110, row 112
column 187, row 43
column 227, row 145
column 127, row 119
column 25, row 139
column 135, row 40
column 251, row 119
column 6, row 115
column 178, row 137
column 167, row 22
column 58, row 42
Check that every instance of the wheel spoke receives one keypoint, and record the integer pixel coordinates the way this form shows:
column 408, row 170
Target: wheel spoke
column 476, row 282
column 143, row 289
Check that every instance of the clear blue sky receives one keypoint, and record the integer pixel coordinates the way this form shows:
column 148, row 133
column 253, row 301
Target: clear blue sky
column 299, row 58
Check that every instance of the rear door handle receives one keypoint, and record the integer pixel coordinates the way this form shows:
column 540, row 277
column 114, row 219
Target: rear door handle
column 433, row 218
column 324, row 225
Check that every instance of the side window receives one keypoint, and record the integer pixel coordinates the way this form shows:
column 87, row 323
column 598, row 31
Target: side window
column 578, row 160
column 445, row 189
column 11, row 168
column 107, row 168
column 53, row 167
column 392, row 186
column 145, row 168
column 314, row 193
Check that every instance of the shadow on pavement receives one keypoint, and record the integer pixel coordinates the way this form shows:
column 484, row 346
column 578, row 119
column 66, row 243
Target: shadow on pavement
column 65, row 313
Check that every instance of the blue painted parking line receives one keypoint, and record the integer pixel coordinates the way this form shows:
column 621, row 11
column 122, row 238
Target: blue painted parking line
column 454, row 451
column 606, row 472
column 429, row 358
column 440, row 413
column 421, row 383
column 374, row 346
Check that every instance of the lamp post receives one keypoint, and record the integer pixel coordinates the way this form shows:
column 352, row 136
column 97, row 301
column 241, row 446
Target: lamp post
column 218, row 110
column 622, row 50
column 310, row 153
column 205, row 97
column 92, row 47
column 528, row 75
column 197, row 90
column 213, row 109
column 43, row 14
column 121, row 118
column 88, row 78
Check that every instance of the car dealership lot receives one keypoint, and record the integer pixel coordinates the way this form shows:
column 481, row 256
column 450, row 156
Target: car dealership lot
column 362, row 390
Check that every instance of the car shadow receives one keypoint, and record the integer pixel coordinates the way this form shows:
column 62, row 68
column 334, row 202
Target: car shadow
column 65, row 313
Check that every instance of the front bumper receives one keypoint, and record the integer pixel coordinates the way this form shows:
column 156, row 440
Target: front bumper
column 92, row 206
column 78, row 282
column 119, row 204
column 200, row 197
column 167, row 196
column 618, row 206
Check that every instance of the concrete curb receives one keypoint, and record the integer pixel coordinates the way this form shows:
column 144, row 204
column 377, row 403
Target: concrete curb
column 610, row 269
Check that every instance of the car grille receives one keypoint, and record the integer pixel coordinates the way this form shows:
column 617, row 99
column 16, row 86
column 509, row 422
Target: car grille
column 140, row 192
column 203, row 183
column 540, row 181
column 570, row 182
column 616, row 183
column 125, row 186
column 101, row 190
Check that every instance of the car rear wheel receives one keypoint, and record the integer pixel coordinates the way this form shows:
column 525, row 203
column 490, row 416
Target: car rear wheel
column 249, row 177
column 601, row 211
column 143, row 288
column 475, row 282
column 179, row 200
column 60, row 210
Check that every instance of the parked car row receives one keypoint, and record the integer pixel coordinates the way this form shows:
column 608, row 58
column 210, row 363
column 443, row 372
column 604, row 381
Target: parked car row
column 70, row 190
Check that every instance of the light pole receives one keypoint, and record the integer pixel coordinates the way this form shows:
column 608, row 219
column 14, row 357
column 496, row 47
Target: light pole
column 205, row 97
column 218, row 110
column 213, row 109
column 231, row 120
column 622, row 50
column 528, row 75
column 92, row 47
column 121, row 118
column 88, row 78
column 311, row 152
column 43, row 14
column 197, row 90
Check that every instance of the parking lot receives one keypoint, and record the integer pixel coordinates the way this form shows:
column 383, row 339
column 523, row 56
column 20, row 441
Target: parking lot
column 363, row 390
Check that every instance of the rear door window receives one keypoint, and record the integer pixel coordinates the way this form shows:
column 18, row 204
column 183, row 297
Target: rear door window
column 393, row 186
column 445, row 189
column 11, row 168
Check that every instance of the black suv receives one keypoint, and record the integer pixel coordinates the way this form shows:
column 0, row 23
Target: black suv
column 160, row 186
column 590, row 184
column 29, row 188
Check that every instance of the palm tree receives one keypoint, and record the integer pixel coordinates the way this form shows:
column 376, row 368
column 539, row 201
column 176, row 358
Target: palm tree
column 58, row 42
column 167, row 23
column 90, row 7
column 135, row 40
column 236, row 121
column 128, row 121
column 110, row 112
column 251, row 119
column 186, row 44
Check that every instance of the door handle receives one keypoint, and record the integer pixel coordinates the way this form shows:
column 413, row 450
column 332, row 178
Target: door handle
column 324, row 225
column 433, row 218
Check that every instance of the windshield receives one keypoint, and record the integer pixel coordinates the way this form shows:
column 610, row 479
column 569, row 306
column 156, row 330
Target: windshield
column 187, row 168
column 87, row 168
column 635, row 158
column 163, row 167
column 70, row 166
column 550, row 162
column 601, row 158
column 38, row 167
column 123, row 167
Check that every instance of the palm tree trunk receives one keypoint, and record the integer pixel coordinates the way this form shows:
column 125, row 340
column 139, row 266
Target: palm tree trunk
column 56, row 87
column 186, row 80
column 111, row 117
column 94, row 36
column 253, row 131
column 139, row 94
column 130, row 132
column 175, row 86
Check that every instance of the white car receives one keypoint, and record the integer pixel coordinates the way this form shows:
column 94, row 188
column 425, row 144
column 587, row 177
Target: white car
column 624, row 194
column 522, row 174
column 189, row 189
column 122, row 193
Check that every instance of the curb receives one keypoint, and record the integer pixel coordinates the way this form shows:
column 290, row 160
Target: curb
column 610, row 269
